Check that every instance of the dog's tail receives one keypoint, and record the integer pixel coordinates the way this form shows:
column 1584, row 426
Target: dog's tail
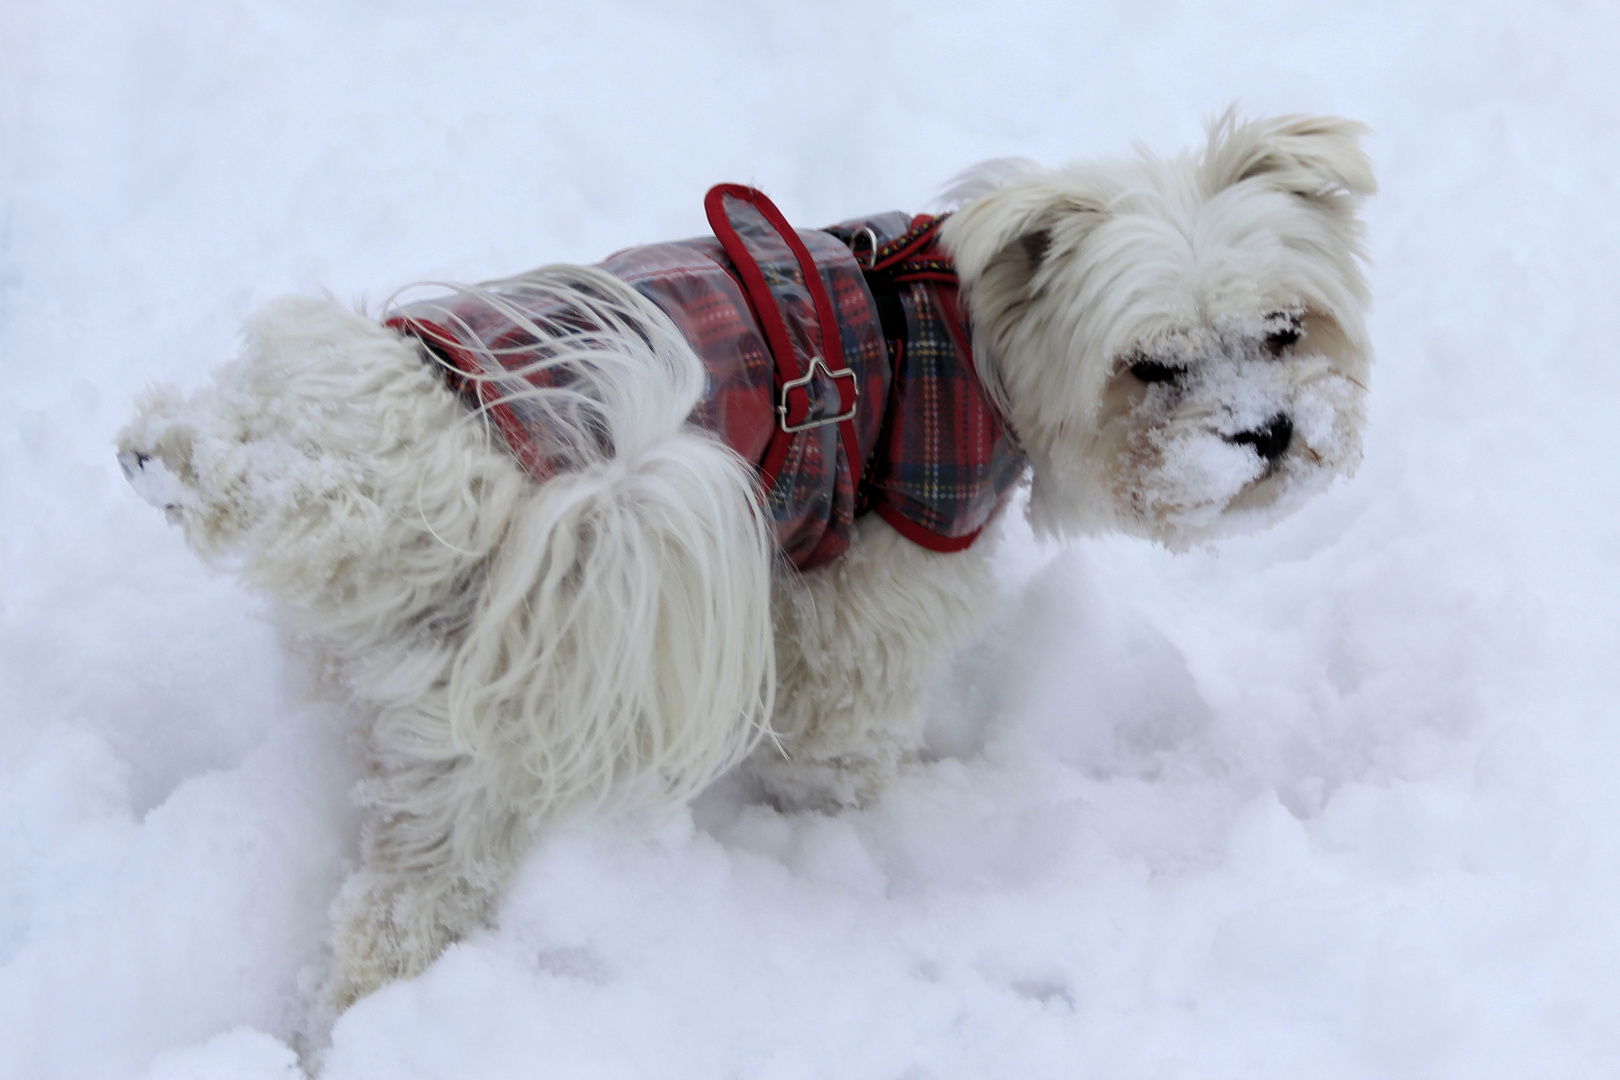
column 622, row 647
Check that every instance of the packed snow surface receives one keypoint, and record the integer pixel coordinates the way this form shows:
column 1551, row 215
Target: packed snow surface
column 1336, row 800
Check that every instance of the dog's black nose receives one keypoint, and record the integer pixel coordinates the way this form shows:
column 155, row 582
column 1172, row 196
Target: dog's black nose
column 1270, row 442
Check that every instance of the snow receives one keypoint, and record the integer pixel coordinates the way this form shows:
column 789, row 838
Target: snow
column 1332, row 801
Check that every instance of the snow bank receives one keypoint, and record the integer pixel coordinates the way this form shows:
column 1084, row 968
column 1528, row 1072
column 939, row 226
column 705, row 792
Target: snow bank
column 1333, row 801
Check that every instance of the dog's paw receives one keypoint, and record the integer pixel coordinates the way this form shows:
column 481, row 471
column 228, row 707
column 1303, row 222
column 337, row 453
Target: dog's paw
column 829, row 785
column 155, row 454
column 394, row 927
column 152, row 480
column 385, row 933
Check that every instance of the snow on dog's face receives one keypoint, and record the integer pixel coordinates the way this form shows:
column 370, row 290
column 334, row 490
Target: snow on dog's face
column 1179, row 344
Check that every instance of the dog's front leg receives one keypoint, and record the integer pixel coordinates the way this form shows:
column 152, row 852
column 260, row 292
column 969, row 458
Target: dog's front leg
column 855, row 641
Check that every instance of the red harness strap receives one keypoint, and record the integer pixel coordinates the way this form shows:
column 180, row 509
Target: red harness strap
column 729, row 206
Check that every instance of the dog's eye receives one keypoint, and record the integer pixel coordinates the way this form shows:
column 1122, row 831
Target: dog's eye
column 1151, row 371
column 1282, row 331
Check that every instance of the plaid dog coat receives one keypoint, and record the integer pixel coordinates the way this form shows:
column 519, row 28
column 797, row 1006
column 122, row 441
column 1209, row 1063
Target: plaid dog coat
column 852, row 390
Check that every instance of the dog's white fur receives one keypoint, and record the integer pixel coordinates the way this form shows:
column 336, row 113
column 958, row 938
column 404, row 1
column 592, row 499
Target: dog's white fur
column 622, row 633
column 1179, row 260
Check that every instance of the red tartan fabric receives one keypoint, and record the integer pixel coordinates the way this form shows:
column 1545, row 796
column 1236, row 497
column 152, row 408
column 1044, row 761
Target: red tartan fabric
column 934, row 462
column 945, row 459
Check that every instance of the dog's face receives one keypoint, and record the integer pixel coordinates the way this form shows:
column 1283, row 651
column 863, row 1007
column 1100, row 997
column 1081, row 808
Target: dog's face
column 1178, row 344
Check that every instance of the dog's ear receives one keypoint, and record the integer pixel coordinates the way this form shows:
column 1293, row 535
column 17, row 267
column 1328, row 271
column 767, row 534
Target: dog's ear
column 1014, row 229
column 1316, row 157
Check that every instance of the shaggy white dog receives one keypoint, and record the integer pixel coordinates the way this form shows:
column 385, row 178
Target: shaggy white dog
column 1177, row 345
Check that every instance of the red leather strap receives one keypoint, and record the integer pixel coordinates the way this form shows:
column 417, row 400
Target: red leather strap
column 772, row 322
column 901, row 248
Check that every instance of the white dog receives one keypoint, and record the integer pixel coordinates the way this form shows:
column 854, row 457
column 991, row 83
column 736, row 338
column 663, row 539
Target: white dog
column 570, row 595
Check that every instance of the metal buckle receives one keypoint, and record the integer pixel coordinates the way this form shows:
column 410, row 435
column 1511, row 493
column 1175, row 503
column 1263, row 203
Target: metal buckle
column 871, row 259
column 805, row 380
